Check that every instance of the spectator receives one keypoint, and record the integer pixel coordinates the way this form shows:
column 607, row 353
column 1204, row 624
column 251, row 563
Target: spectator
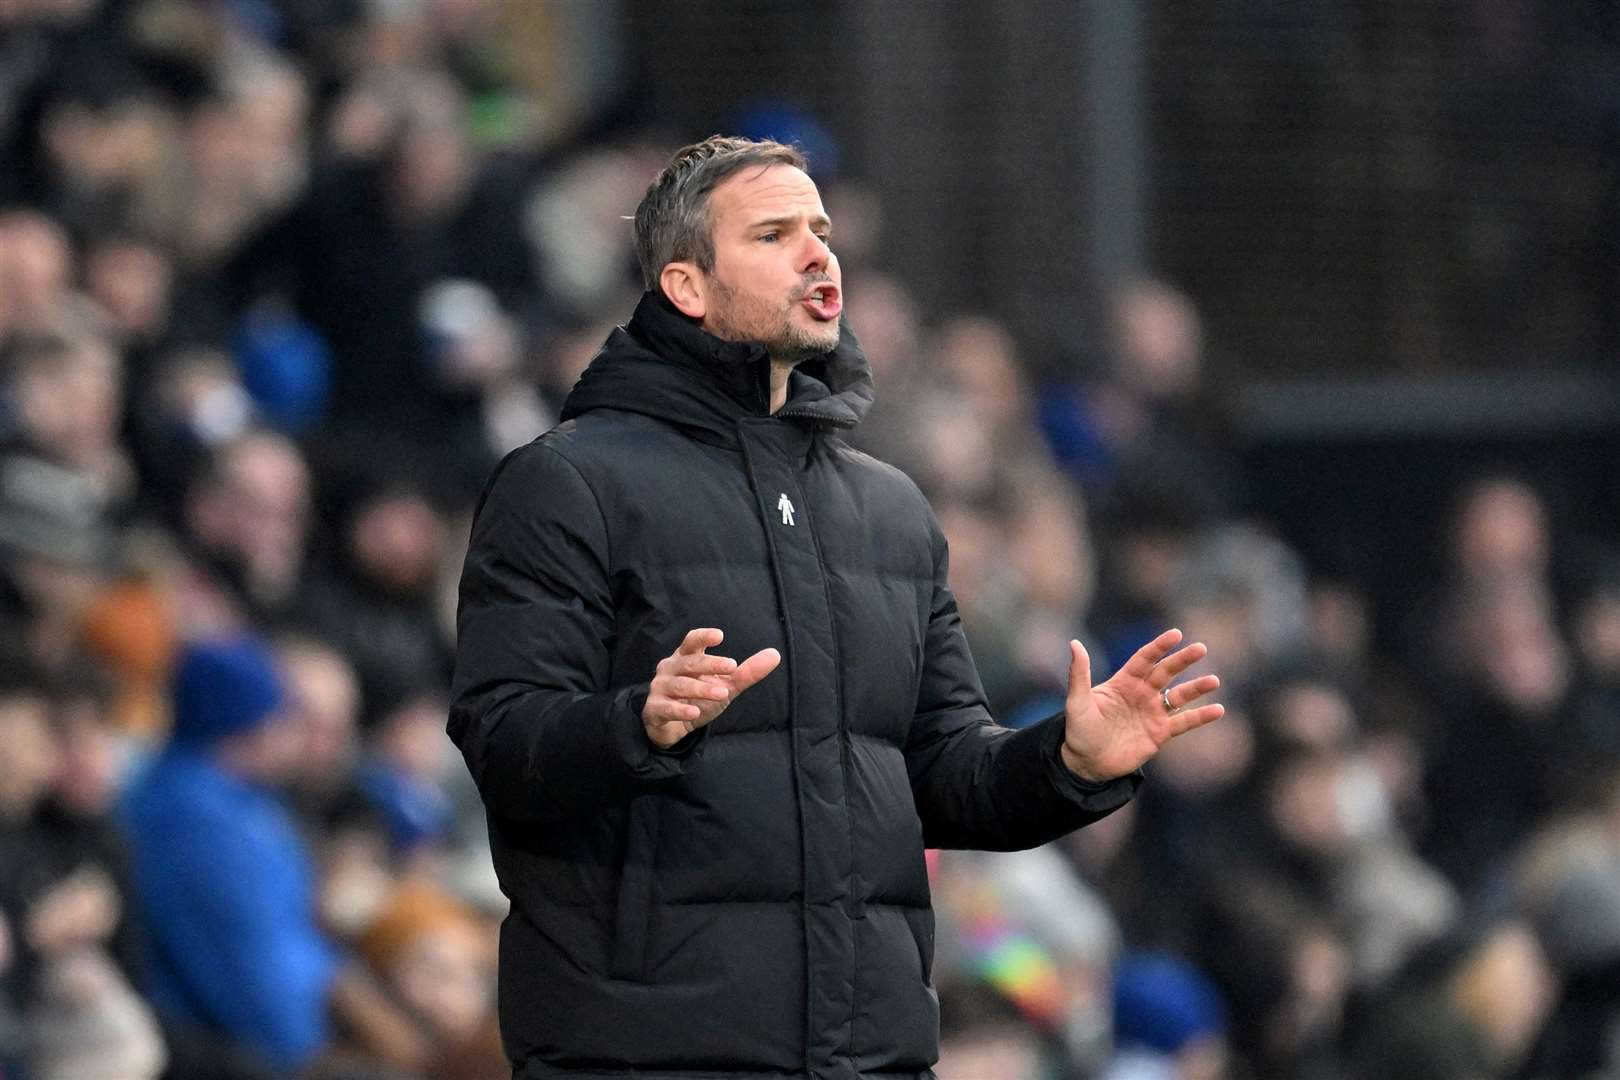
column 57, row 548
column 436, row 960
column 36, row 269
column 324, row 701
column 983, row 1034
column 65, row 391
column 29, row 757
column 64, row 893
column 1472, row 1006
column 248, row 515
column 404, row 772
column 1169, row 1023
column 222, row 874
column 378, row 601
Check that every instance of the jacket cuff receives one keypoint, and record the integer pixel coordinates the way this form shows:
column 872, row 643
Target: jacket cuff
column 644, row 759
column 1089, row 795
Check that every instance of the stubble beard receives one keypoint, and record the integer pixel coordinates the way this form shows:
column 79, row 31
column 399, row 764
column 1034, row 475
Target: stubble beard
column 739, row 316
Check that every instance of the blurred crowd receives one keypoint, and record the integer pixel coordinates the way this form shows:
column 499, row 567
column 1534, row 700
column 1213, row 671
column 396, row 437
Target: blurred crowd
column 281, row 280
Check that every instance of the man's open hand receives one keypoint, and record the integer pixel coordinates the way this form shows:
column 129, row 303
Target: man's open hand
column 1115, row 727
column 691, row 688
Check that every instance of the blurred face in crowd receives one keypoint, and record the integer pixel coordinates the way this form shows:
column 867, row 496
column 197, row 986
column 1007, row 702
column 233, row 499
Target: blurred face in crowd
column 431, row 164
column 91, row 757
column 1159, row 340
column 29, row 754
column 891, row 326
column 1340, row 621
column 104, row 147
column 443, row 975
column 1502, row 531
column 1010, row 1051
column 397, row 542
column 1507, row 988
column 1314, row 715
column 325, row 700
column 412, row 737
column 36, row 263
column 269, row 754
column 1209, row 760
column 980, row 355
column 775, row 281
column 1322, row 802
column 1598, row 634
column 132, row 280
column 256, row 509
column 355, row 878
column 260, row 128
column 70, row 402
column 958, row 446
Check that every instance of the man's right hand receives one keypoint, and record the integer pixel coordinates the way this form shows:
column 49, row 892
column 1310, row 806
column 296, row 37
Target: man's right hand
column 691, row 688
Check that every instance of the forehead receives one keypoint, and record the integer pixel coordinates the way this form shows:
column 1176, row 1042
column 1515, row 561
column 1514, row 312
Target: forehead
column 753, row 194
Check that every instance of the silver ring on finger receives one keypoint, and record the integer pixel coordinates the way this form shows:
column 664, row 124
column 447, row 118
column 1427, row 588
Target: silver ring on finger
column 1164, row 696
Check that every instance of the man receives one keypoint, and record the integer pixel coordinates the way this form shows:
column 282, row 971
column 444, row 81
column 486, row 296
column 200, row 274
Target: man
column 716, row 868
column 222, row 875
column 237, row 962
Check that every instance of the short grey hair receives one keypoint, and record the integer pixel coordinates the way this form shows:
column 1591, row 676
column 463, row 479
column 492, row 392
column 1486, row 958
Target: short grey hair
column 672, row 223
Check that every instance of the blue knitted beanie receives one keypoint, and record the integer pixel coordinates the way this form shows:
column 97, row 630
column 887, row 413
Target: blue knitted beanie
column 1163, row 1003
column 222, row 688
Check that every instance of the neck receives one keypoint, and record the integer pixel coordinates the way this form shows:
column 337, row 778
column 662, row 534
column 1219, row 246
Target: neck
column 780, row 370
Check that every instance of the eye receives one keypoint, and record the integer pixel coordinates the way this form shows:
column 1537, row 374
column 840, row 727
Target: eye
column 770, row 237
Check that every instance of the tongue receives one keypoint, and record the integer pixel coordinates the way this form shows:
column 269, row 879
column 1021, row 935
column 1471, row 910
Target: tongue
column 824, row 309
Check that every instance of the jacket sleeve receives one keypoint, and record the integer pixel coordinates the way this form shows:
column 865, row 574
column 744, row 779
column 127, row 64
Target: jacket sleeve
column 977, row 784
column 543, row 733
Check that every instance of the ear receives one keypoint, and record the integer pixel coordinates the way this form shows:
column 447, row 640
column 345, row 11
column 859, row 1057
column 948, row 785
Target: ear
column 683, row 283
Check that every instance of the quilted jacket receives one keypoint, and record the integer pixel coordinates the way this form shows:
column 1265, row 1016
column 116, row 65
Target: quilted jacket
column 754, row 901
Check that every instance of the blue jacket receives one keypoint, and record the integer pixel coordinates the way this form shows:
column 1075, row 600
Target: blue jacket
column 226, row 891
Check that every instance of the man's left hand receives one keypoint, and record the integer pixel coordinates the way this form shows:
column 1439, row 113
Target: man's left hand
column 1114, row 728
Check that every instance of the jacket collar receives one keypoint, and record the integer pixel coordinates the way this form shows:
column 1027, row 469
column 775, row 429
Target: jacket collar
column 663, row 364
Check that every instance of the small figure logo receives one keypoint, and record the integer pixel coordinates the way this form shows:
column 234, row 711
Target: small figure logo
column 785, row 505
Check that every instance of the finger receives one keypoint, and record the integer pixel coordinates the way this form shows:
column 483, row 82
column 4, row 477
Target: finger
column 704, row 637
column 1184, row 722
column 753, row 669
column 1079, row 668
column 1189, row 692
column 1177, row 662
column 669, row 711
column 1141, row 663
column 682, row 686
column 700, row 664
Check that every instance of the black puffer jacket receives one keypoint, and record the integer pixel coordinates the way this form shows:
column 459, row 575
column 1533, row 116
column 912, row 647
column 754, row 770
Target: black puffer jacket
column 754, row 903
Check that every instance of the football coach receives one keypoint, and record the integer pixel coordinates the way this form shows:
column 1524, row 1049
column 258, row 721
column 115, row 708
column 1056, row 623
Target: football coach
column 716, row 864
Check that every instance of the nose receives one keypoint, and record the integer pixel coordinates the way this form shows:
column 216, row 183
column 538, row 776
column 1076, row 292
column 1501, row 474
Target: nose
column 816, row 254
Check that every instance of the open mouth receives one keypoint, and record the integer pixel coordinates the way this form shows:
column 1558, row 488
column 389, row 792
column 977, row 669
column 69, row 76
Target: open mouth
column 823, row 301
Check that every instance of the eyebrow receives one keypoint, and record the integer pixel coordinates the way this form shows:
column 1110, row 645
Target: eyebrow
column 819, row 219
